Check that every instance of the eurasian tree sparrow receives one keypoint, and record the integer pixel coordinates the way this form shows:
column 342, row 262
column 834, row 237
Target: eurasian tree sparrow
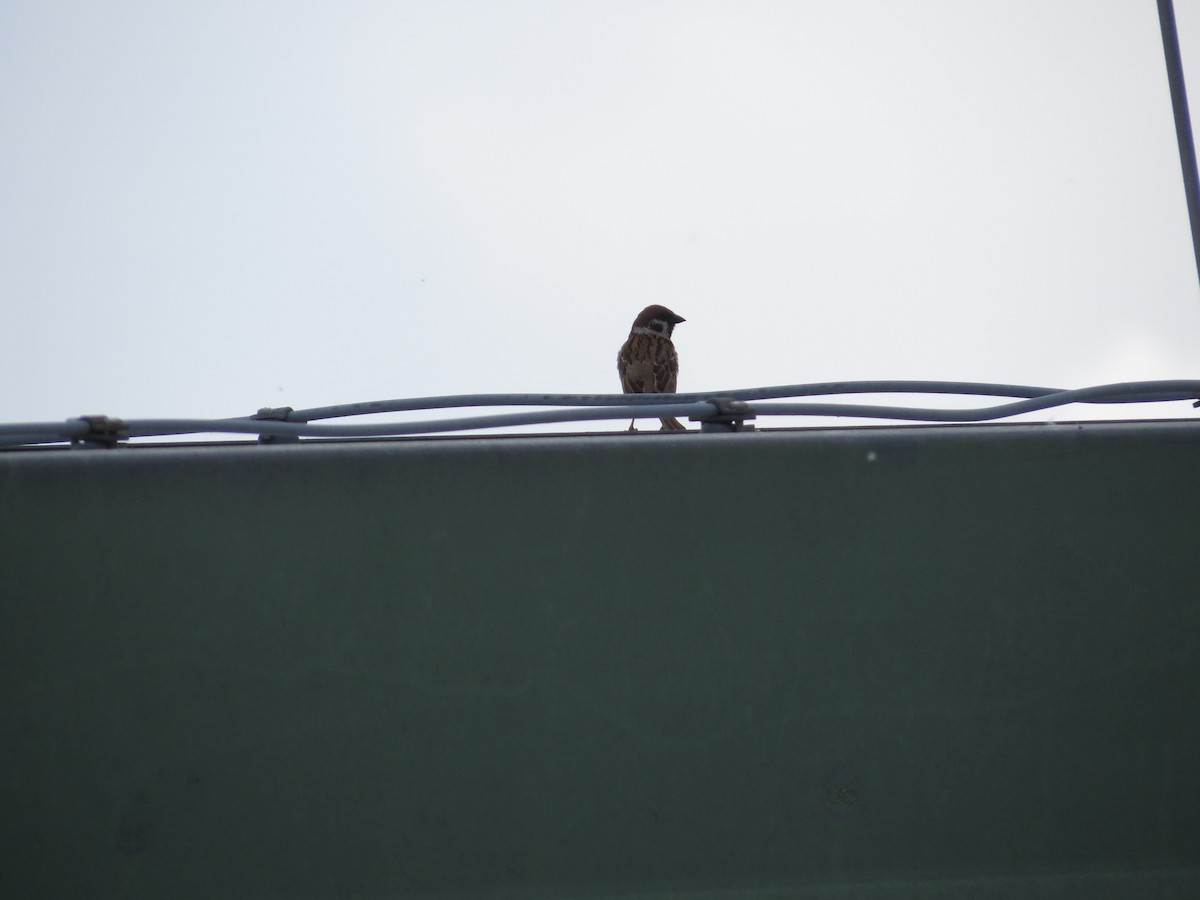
column 647, row 362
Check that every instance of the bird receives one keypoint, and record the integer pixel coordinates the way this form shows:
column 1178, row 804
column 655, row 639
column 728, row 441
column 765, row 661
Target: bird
column 647, row 362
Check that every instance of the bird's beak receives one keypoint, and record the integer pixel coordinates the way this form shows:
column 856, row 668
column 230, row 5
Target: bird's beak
column 679, row 319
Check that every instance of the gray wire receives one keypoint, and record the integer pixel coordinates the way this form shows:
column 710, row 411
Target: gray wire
column 595, row 407
column 1133, row 392
column 1183, row 122
column 764, row 393
column 980, row 389
column 467, row 423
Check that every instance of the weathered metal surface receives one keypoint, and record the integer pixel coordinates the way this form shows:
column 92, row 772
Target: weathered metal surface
column 866, row 662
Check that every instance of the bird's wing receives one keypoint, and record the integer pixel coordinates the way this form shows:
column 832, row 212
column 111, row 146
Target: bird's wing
column 666, row 369
column 633, row 366
column 648, row 364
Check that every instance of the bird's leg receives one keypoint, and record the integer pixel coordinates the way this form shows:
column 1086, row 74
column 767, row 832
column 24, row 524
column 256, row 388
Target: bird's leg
column 631, row 427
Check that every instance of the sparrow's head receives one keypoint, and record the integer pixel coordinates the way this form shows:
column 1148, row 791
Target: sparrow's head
column 656, row 320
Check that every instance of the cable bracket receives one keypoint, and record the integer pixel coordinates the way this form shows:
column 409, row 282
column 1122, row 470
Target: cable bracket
column 276, row 414
column 727, row 415
column 103, row 431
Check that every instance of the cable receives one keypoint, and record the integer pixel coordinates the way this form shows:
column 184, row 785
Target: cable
column 764, row 393
column 150, row 427
column 1183, row 122
column 713, row 407
column 1133, row 392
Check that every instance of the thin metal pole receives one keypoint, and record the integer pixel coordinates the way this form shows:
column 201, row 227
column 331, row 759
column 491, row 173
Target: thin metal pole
column 1183, row 122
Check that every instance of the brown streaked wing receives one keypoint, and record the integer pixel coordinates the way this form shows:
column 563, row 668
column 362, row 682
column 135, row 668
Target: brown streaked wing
column 634, row 365
column 648, row 364
column 666, row 368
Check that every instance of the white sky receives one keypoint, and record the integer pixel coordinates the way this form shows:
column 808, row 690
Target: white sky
column 208, row 207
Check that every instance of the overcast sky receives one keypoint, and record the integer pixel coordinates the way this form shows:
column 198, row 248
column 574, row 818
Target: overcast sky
column 209, row 207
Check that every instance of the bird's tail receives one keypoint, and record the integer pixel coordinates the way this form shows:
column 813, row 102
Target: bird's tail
column 672, row 425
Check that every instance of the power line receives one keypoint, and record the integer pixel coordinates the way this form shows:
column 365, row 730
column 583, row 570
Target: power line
column 716, row 410
column 1183, row 121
